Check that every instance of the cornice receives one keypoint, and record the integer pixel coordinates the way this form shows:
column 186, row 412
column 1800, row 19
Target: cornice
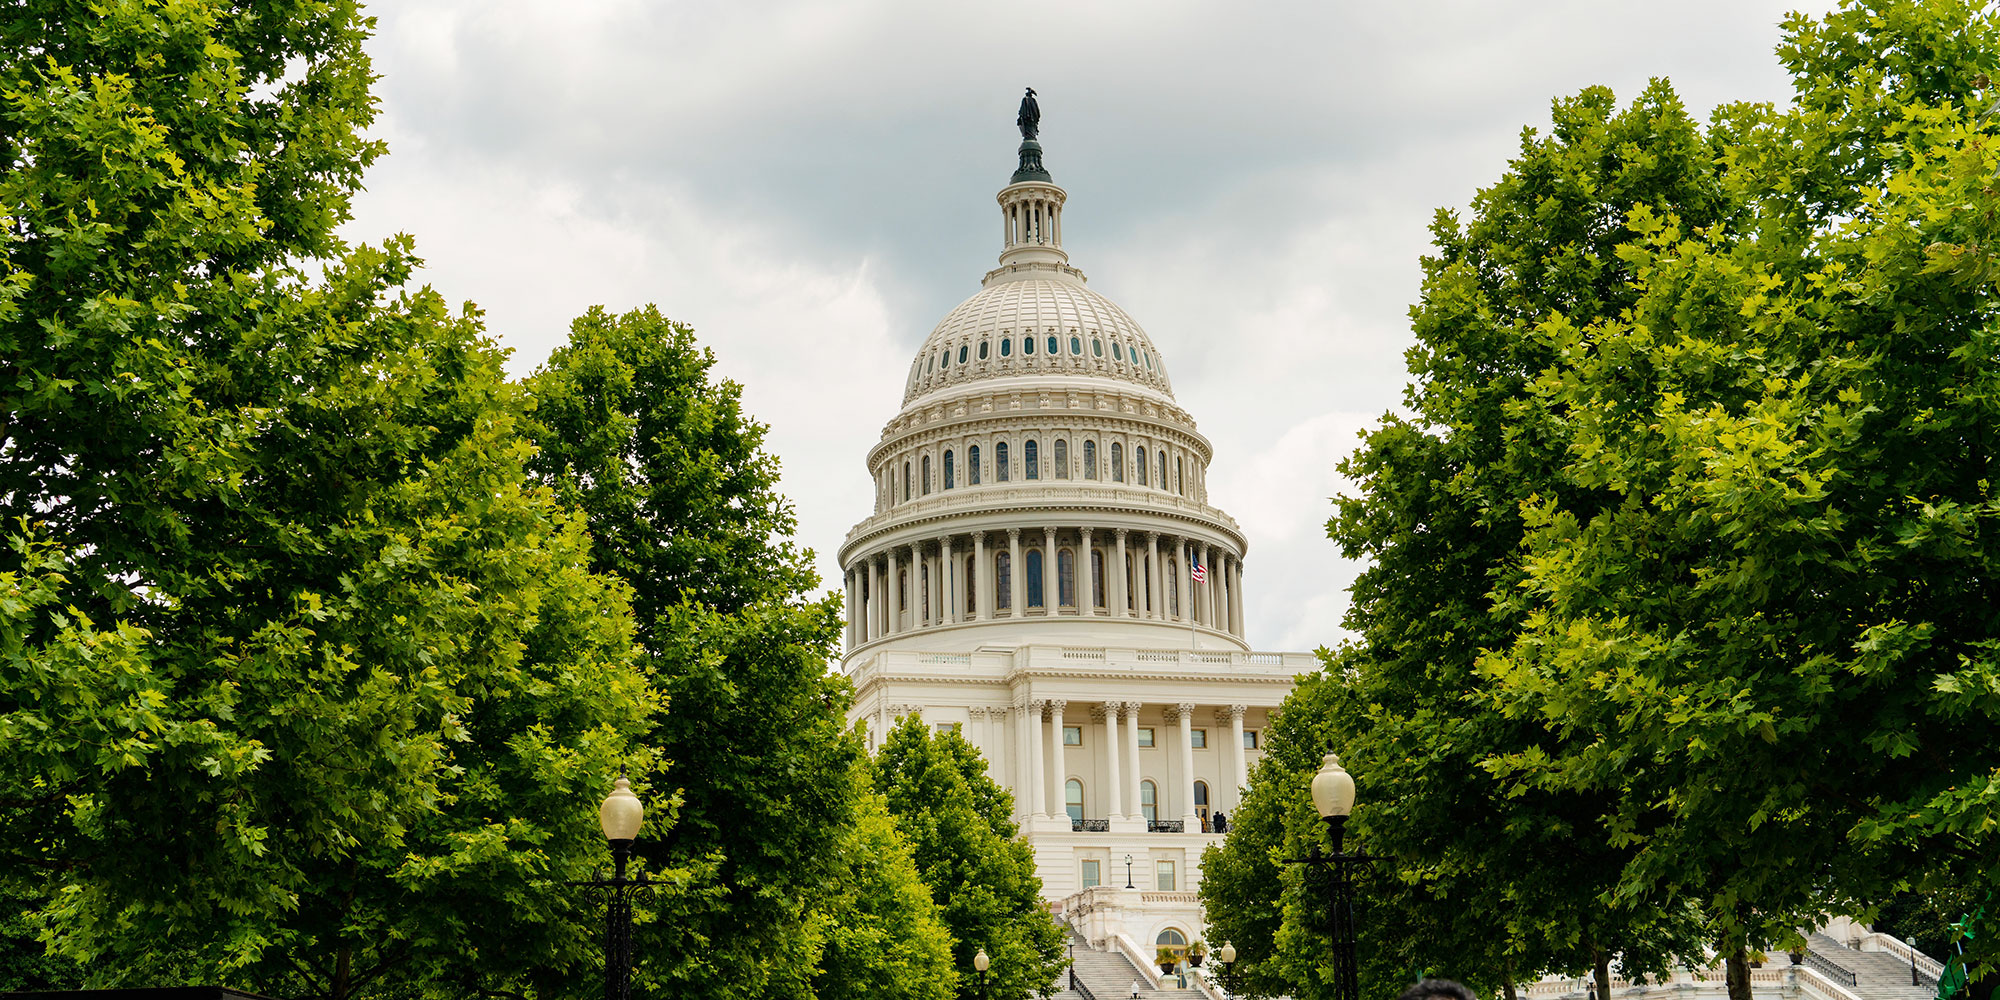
column 936, row 511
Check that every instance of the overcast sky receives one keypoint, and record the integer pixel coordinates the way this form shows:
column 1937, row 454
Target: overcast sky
column 811, row 186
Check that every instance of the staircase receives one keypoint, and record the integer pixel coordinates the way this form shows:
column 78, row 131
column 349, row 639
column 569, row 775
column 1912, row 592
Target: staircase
column 1878, row 975
column 1108, row 975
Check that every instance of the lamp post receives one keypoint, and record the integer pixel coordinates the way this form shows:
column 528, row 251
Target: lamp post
column 981, row 962
column 1227, row 956
column 620, row 816
column 1333, row 798
column 1128, row 871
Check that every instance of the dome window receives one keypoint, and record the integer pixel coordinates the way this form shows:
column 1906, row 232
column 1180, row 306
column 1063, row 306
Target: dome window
column 933, row 366
column 1090, row 460
column 1139, row 466
column 927, row 476
column 944, row 358
column 1055, row 347
column 1035, row 579
column 1117, row 462
column 1076, row 345
column 1000, row 463
column 1006, row 346
column 1096, row 347
column 961, row 353
column 1117, row 353
column 972, row 466
column 1032, row 469
column 949, row 477
column 1027, row 345
column 982, row 350
column 1148, row 357
column 1061, row 457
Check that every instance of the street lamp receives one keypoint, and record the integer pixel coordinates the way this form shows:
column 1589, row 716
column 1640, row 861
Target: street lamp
column 1128, row 871
column 1227, row 956
column 1333, row 798
column 619, row 816
column 981, row 962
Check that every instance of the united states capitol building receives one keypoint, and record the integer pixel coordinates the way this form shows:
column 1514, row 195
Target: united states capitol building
column 1043, row 571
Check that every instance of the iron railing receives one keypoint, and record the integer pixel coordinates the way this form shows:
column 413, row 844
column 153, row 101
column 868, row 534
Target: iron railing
column 1830, row 969
column 1090, row 826
column 1166, row 826
column 1077, row 985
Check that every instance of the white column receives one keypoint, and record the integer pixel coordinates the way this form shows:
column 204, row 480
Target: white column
column 954, row 590
column 848, row 579
column 1051, row 580
column 1120, row 574
column 1135, row 774
column 874, row 599
column 1239, row 773
column 1086, row 573
column 1058, row 771
column 1156, row 591
column 1032, row 736
column 934, row 587
column 1186, row 713
column 1227, row 619
column 1000, row 764
column 1236, row 595
column 1207, row 608
column 1016, row 574
column 1114, row 800
column 895, row 604
column 982, row 579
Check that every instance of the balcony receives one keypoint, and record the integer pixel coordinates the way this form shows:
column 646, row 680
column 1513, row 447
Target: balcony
column 1089, row 825
column 1166, row 826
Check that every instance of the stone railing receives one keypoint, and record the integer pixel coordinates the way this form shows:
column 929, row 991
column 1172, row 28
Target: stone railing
column 998, row 664
column 973, row 499
column 1928, row 969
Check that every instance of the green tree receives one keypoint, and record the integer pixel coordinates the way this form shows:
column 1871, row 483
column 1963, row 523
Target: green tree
column 303, row 686
column 883, row 936
column 982, row 877
column 682, row 503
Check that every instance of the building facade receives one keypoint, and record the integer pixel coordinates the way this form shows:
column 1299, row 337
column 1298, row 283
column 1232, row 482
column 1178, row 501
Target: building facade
column 1043, row 571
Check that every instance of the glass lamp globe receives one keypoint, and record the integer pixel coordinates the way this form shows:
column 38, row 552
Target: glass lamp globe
column 1333, row 789
column 980, row 961
column 621, row 813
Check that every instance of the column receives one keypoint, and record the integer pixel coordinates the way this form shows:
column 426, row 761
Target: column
column 1239, row 770
column 1017, row 593
column 1207, row 606
column 895, row 603
column 1114, row 800
column 982, row 579
column 1033, row 738
column 1156, row 592
column 881, row 722
column 954, row 591
column 1058, row 770
column 1051, row 581
column 1135, row 774
column 934, row 587
column 848, row 579
column 1222, row 596
column 1086, row 574
column 1123, row 579
column 1236, row 594
column 1001, row 763
column 1186, row 713
column 874, row 599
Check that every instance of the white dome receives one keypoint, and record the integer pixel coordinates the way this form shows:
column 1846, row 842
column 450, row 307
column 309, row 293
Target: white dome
column 1010, row 326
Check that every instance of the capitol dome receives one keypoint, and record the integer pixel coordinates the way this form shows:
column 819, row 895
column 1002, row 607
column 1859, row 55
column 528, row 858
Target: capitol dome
column 1040, row 482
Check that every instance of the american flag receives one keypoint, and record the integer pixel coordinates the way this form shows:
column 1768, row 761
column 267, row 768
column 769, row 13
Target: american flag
column 1199, row 572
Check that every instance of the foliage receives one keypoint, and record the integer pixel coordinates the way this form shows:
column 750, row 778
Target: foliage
column 682, row 497
column 958, row 822
column 884, row 938
column 303, row 687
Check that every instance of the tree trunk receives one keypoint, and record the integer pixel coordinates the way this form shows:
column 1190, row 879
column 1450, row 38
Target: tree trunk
column 1737, row 966
column 1507, row 980
column 1601, row 969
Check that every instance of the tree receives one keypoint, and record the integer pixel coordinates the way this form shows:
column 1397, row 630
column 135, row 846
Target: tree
column 682, row 504
column 982, row 877
column 303, row 686
column 883, row 936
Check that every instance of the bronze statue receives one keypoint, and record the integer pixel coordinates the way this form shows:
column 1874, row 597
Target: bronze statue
column 1030, row 119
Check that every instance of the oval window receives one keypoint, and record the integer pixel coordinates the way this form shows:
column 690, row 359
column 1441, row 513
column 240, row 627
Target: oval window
column 961, row 354
column 1006, row 347
column 982, row 350
column 944, row 358
column 933, row 365
column 1076, row 345
column 1097, row 347
column 1027, row 345
column 1117, row 353
column 1149, row 360
column 1054, row 349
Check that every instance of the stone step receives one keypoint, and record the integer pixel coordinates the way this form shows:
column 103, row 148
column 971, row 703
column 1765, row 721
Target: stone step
column 1878, row 975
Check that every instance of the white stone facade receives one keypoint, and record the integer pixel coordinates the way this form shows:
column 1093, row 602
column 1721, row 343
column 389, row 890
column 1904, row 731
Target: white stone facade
column 1028, row 576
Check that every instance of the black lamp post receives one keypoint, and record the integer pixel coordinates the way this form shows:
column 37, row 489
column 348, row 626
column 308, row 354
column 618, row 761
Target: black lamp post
column 1227, row 956
column 620, row 816
column 1333, row 797
column 982, row 963
column 1128, row 871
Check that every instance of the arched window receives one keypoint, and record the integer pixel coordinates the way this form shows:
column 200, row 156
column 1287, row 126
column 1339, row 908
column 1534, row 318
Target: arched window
column 1180, row 476
column 1162, row 457
column 1173, row 939
column 1173, row 588
column 902, row 589
column 924, row 599
column 1062, row 458
column 972, row 466
column 1201, row 803
column 906, row 480
column 1053, row 349
column 1003, row 581
column 1000, row 465
column 927, row 475
column 1139, row 466
column 1096, row 578
column 1028, row 460
column 1149, row 800
column 1066, row 578
column 1073, row 799
column 1117, row 462
column 1132, row 592
column 1090, row 460
column 950, row 475
column 971, row 587
column 1035, row 578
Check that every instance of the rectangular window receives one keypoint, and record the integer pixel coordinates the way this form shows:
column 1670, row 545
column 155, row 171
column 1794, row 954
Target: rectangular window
column 1145, row 736
column 942, row 728
column 1198, row 739
column 1249, row 739
column 1072, row 736
column 1164, row 880
column 1090, row 876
